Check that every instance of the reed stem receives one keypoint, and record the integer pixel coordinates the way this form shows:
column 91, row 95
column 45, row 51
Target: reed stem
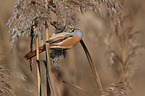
column 38, row 67
column 90, row 94
column 93, row 68
column 51, row 77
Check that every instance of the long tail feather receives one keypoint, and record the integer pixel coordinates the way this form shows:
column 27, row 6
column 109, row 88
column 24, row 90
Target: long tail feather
column 33, row 53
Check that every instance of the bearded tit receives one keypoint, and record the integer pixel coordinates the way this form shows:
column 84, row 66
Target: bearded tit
column 60, row 41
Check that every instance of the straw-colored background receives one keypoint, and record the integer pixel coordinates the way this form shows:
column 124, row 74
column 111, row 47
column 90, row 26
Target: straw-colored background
column 74, row 67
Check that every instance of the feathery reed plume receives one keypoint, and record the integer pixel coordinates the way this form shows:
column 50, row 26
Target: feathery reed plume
column 27, row 11
column 124, row 56
column 5, row 75
column 5, row 88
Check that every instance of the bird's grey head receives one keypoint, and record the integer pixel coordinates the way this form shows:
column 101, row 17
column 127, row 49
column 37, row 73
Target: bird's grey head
column 77, row 32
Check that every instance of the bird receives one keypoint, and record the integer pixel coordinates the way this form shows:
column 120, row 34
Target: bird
column 60, row 41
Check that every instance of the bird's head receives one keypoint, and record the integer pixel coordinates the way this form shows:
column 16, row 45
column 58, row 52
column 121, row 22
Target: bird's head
column 77, row 32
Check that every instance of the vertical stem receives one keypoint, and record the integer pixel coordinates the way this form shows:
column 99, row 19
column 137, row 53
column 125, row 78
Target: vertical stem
column 93, row 68
column 38, row 67
column 51, row 77
column 48, row 60
column 31, row 45
column 50, row 86
column 48, row 89
column 54, row 86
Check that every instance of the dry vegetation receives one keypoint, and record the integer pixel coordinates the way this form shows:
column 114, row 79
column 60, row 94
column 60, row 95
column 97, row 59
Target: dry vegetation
column 113, row 32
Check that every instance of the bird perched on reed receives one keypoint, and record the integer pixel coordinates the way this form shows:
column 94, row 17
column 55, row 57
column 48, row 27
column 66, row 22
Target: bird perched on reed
column 60, row 41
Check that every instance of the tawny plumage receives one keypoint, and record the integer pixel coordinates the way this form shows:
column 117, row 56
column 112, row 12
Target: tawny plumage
column 64, row 40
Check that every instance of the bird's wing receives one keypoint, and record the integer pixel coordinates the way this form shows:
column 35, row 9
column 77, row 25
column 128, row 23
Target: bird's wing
column 66, row 43
column 59, row 38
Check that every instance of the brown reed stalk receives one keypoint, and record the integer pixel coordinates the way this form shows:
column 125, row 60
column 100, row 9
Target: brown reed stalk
column 73, row 85
column 54, row 87
column 48, row 68
column 48, row 65
column 93, row 68
column 38, row 67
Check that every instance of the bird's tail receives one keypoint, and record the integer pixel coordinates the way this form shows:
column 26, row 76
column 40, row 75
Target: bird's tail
column 33, row 53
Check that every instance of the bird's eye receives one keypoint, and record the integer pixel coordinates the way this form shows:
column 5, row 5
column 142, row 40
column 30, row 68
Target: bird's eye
column 72, row 30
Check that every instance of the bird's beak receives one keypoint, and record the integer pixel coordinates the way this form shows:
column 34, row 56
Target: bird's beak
column 70, row 30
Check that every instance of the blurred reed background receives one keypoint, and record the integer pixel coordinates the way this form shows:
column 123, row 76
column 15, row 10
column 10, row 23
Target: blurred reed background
column 104, row 47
